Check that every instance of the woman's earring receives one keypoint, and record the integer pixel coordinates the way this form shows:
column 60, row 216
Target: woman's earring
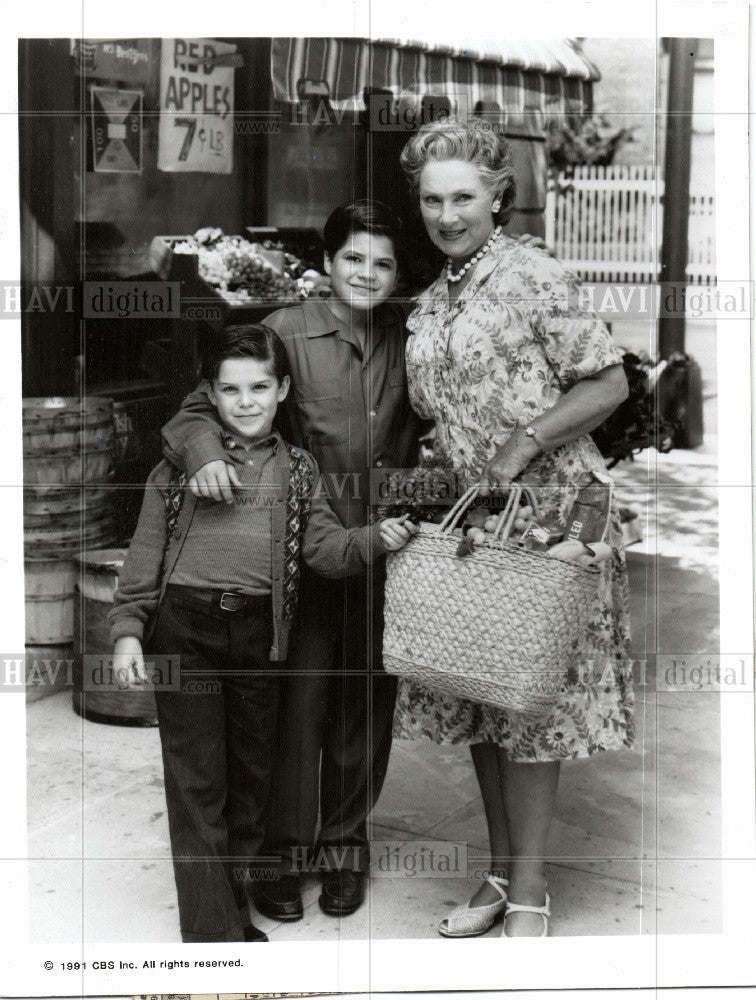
column 496, row 206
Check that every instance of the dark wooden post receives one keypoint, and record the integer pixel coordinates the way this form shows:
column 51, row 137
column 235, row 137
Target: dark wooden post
column 49, row 199
column 255, row 104
column 674, row 251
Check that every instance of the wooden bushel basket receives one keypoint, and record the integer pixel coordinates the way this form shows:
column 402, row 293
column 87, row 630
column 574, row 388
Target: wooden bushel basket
column 67, row 440
column 97, row 583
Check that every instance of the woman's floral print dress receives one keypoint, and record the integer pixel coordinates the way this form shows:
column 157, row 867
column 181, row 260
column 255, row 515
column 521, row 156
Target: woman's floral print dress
column 504, row 352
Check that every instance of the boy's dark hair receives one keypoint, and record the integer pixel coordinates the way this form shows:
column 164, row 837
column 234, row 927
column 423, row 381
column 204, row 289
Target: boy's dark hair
column 363, row 216
column 248, row 340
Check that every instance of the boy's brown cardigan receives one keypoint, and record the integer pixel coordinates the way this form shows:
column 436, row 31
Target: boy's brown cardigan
column 325, row 544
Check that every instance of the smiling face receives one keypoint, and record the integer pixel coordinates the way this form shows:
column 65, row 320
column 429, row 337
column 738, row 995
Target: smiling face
column 246, row 395
column 457, row 207
column 363, row 271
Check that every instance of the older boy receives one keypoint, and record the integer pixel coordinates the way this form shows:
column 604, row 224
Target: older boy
column 349, row 407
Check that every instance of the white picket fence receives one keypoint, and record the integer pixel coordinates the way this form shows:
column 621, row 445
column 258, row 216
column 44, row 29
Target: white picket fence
column 605, row 223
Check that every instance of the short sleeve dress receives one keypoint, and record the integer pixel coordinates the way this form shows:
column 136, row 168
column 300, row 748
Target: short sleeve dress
column 504, row 352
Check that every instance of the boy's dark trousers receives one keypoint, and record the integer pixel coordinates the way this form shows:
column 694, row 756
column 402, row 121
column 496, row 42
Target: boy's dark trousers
column 217, row 748
column 335, row 727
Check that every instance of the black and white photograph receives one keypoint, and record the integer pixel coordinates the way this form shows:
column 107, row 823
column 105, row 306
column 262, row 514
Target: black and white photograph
column 377, row 511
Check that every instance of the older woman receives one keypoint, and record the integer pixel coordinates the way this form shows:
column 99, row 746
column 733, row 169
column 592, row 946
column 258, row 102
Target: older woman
column 515, row 376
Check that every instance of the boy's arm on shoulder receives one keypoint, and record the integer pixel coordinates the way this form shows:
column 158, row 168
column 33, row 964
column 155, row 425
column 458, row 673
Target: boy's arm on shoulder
column 139, row 580
column 192, row 438
column 327, row 546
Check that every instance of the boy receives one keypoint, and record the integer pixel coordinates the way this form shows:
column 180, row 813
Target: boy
column 350, row 409
column 216, row 586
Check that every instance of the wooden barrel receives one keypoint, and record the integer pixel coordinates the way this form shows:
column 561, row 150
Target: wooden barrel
column 49, row 669
column 67, row 440
column 75, row 467
column 65, row 533
column 49, row 588
column 97, row 582
column 68, row 460
column 41, row 502
column 58, row 521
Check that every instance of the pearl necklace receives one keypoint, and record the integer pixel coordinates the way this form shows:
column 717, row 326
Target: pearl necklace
column 454, row 278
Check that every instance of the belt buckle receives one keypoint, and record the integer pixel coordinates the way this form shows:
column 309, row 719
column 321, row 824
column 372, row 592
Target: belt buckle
column 236, row 600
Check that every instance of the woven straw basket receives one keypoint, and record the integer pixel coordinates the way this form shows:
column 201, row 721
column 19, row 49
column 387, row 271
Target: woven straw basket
column 498, row 626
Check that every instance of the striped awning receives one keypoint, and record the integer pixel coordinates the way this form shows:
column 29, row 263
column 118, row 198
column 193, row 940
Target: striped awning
column 512, row 77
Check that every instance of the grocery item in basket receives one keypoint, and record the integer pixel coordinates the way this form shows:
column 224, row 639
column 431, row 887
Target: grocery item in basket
column 425, row 492
column 573, row 550
column 588, row 517
column 541, row 535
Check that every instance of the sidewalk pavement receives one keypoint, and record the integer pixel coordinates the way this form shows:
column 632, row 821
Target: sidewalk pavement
column 636, row 839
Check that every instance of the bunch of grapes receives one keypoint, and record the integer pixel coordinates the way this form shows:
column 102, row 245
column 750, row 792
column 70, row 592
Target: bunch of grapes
column 232, row 265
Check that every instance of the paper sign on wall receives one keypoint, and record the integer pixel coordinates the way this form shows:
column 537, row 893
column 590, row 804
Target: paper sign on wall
column 125, row 59
column 116, row 117
column 196, row 106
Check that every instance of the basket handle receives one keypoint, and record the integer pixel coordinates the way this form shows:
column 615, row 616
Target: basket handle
column 508, row 515
column 459, row 509
column 507, row 519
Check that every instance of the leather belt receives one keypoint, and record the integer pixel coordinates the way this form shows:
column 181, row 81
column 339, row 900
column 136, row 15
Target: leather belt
column 229, row 601
column 225, row 600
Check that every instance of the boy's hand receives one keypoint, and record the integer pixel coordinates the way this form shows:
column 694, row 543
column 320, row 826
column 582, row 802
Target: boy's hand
column 128, row 661
column 215, row 481
column 396, row 532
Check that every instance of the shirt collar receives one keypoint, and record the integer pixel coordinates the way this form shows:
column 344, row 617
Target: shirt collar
column 237, row 449
column 320, row 321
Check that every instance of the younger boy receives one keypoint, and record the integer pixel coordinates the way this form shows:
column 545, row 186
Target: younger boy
column 216, row 586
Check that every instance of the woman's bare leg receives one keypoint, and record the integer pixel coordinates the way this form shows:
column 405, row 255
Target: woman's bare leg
column 529, row 793
column 486, row 758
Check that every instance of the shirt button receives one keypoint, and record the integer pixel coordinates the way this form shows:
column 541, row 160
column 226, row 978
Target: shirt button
column 379, row 463
column 250, row 461
column 373, row 413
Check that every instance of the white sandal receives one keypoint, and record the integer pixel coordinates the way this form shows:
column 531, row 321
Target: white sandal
column 544, row 911
column 470, row 921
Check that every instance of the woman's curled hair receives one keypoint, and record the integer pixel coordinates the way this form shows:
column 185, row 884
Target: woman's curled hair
column 474, row 141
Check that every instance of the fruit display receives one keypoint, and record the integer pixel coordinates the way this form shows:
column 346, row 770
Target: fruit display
column 243, row 272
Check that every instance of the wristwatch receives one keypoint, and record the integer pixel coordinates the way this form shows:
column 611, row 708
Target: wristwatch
column 530, row 432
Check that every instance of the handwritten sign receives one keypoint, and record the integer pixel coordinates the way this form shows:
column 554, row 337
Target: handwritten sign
column 196, row 106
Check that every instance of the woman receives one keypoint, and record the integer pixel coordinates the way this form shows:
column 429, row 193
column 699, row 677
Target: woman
column 515, row 377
